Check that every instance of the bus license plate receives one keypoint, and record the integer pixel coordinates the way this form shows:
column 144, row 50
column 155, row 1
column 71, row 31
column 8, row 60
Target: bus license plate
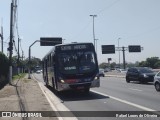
column 81, row 87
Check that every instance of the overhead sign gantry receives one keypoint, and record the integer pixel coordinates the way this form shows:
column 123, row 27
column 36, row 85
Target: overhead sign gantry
column 110, row 49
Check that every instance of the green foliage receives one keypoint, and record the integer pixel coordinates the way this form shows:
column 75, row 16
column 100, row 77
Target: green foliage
column 22, row 75
column 103, row 65
column 153, row 62
column 4, row 65
column 33, row 63
column 113, row 65
column 157, row 64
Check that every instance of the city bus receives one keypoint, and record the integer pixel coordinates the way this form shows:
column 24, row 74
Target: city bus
column 71, row 66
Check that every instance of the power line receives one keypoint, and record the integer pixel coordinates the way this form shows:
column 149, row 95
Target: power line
column 144, row 33
column 102, row 10
column 82, row 30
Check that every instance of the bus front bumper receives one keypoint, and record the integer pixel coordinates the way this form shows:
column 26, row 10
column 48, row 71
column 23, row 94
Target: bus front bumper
column 66, row 86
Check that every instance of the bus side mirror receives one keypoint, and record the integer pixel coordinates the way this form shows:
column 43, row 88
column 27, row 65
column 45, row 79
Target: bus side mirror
column 54, row 59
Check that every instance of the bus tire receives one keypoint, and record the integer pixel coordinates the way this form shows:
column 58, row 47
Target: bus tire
column 46, row 82
column 86, row 90
column 53, row 83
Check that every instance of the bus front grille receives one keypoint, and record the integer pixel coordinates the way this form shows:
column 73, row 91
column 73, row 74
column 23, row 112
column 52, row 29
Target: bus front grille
column 85, row 85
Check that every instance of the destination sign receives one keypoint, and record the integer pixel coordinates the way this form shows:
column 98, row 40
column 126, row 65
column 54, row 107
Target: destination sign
column 74, row 47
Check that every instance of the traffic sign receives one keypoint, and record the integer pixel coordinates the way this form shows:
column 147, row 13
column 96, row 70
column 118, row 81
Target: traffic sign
column 50, row 41
column 108, row 49
column 134, row 48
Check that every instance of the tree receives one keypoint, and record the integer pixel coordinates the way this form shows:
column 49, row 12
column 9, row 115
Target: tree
column 144, row 64
column 152, row 62
column 4, row 65
column 113, row 65
column 157, row 64
column 33, row 63
column 103, row 65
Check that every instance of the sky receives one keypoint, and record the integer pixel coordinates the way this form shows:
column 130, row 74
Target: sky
column 132, row 22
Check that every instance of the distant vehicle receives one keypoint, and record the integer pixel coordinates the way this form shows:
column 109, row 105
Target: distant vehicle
column 122, row 70
column 101, row 73
column 71, row 66
column 37, row 68
column 141, row 74
column 107, row 70
column 38, row 71
column 157, row 81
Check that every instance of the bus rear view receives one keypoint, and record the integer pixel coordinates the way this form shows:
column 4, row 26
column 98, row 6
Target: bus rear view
column 75, row 67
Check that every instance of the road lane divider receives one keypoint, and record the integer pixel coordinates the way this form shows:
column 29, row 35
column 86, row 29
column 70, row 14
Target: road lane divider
column 135, row 89
column 126, row 102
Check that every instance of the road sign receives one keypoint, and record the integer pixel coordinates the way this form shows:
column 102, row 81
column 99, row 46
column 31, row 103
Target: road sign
column 134, row 48
column 50, row 41
column 108, row 49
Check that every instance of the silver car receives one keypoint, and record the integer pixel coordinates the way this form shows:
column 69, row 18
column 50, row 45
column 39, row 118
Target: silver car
column 101, row 73
column 157, row 81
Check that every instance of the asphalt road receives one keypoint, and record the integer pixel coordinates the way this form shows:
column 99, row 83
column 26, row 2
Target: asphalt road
column 113, row 95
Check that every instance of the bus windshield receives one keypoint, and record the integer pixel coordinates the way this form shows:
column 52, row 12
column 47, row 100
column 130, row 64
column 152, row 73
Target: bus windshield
column 77, row 62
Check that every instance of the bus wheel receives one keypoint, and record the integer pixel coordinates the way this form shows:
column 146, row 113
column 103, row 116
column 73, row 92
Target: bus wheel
column 46, row 82
column 53, row 83
column 86, row 90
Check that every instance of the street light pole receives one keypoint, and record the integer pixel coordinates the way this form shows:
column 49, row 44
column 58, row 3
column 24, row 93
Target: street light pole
column 93, row 28
column 63, row 41
column 119, row 51
column 96, row 44
column 29, row 56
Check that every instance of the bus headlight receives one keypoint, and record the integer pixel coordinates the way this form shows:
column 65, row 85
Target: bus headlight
column 62, row 81
column 96, row 78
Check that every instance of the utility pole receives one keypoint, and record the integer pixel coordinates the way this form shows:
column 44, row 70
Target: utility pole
column 1, row 35
column 18, row 56
column 93, row 29
column 123, row 49
column 119, row 52
column 124, row 62
column 11, row 42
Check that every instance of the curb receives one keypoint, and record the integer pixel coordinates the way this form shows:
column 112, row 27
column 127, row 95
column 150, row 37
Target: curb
column 55, row 102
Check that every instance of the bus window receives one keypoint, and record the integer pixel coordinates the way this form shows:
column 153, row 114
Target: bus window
column 87, row 62
column 76, row 63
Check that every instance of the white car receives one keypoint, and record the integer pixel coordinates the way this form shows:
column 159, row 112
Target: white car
column 157, row 81
column 38, row 71
column 101, row 73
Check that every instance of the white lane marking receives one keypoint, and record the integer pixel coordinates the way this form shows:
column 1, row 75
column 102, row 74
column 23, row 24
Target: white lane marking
column 124, row 101
column 123, row 81
column 135, row 89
